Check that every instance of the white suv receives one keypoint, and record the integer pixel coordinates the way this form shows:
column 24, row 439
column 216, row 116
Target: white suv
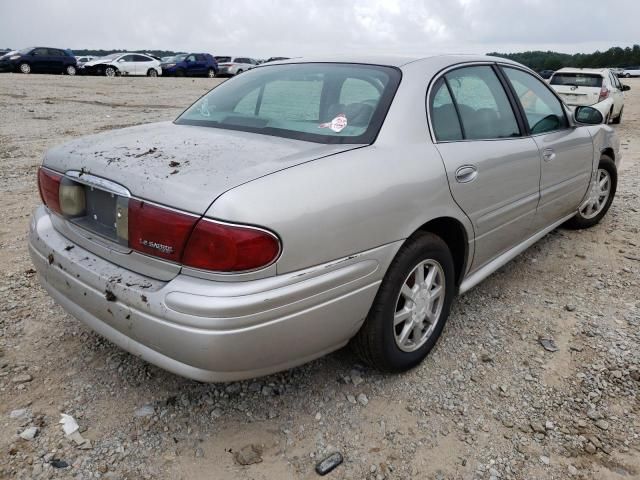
column 599, row 88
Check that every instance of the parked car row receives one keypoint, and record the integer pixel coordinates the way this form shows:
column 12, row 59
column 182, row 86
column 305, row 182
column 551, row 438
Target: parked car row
column 56, row 60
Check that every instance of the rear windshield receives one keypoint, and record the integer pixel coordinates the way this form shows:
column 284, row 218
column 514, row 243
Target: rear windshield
column 223, row 59
column 317, row 102
column 577, row 79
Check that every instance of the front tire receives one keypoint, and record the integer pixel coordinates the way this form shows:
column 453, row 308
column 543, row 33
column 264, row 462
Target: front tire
column 110, row 71
column 411, row 306
column 601, row 194
column 24, row 68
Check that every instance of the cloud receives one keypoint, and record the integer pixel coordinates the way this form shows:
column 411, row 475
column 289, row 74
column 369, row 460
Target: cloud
column 263, row 28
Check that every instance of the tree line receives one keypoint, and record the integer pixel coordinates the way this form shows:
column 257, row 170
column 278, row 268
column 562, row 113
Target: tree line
column 614, row 57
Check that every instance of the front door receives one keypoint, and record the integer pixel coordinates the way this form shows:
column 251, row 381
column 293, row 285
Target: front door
column 566, row 152
column 492, row 168
column 127, row 65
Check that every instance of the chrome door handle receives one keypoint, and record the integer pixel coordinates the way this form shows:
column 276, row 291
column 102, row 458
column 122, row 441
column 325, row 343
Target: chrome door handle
column 466, row 174
column 548, row 154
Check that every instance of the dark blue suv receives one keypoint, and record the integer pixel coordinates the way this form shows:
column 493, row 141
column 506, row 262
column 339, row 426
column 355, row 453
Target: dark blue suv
column 190, row 65
column 39, row 60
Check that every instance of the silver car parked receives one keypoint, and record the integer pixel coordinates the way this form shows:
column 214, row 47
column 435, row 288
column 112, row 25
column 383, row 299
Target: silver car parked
column 308, row 204
column 234, row 65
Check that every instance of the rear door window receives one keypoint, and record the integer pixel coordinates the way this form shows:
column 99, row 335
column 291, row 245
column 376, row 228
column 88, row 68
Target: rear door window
column 482, row 104
column 41, row 52
column 444, row 119
column 141, row 58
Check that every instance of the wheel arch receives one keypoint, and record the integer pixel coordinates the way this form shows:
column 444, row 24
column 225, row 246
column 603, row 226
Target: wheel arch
column 455, row 235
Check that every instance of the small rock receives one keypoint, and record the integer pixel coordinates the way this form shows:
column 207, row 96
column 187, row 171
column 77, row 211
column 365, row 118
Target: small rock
column 594, row 415
column 22, row 378
column 569, row 307
column 537, row 427
column 362, row 399
column 351, row 398
column 29, row 434
column 199, row 453
column 602, row 424
column 544, row 459
column 216, row 413
column 318, row 416
column 248, row 455
column 573, row 471
column 329, row 463
column 57, row 463
column 144, row 411
column 548, row 344
column 590, row 448
column 19, row 413
column 549, row 425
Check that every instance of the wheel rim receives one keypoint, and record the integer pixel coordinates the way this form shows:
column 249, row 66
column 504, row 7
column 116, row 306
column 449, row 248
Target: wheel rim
column 153, row 73
column 71, row 70
column 212, row 73
column 598, row 195
column 25, row 68
column 110, row 72
column 419, row 305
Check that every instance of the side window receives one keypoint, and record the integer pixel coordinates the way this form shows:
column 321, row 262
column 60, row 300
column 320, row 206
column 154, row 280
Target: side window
column 542, row 109
column 141, row 58
column 190, row 58
column 444, row 118
column 127, row 58
column 482, row 103
column 200, row 58
column 41, row 52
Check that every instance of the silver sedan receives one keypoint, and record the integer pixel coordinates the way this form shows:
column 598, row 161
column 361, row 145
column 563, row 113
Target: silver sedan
column 308, row 204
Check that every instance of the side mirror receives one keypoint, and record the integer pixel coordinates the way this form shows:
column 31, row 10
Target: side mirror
column 588, row 116
column 626, row 88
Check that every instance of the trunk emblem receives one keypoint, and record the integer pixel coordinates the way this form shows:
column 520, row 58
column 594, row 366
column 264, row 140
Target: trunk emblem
column 157, row 246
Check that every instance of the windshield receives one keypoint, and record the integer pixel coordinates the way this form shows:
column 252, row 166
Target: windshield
column 24, row 51
column 577, row 79
column 317, row 102
column 177, row 58
column 112, row 55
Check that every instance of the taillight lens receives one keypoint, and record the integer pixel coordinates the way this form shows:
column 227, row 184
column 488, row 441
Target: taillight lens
column 158, row 231
column 222, row 247
column 604, row 93
column 49, row 187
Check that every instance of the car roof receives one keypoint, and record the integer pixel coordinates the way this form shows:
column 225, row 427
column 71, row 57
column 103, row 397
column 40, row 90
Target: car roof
column 397, row 60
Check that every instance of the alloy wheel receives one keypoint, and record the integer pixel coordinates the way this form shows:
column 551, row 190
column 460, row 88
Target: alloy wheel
column 598, row 195
column 419, row 305
column 71, row 70
column 25, row 68
column 110, row 72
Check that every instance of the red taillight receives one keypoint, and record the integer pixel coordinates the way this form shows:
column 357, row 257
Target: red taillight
column 604, row 93
column 49, row 187
column 158, row 231
column 229, row 248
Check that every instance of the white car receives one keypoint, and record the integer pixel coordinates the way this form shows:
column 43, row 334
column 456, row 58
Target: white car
column 124, row 64
column 631, row 72
column 599, row 88
column 234, row 65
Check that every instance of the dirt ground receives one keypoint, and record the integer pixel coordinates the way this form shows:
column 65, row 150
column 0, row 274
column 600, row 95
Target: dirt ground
column 489, row 403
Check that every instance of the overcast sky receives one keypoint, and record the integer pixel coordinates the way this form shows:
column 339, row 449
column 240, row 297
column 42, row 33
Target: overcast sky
column 263, row 28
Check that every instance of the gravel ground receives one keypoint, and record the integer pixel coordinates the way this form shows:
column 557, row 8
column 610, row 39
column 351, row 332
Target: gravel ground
column 489, row 403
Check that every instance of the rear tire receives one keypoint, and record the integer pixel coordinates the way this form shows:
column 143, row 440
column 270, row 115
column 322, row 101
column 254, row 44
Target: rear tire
column 152, row 72
column 618, row 119
column 70, row 70
column 600, row 197
column 379, row 342
column 211, row 73
column 24, row 68
column 239, row 72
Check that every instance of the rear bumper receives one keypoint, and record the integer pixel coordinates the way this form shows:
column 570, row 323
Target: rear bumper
column 210, row 330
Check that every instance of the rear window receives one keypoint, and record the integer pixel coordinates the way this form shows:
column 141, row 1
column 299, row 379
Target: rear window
column 223, row 59
column 324, row 103
column 577, row 79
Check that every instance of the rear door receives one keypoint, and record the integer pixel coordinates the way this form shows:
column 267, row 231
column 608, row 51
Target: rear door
column 58, row 60
column 616, row 93
column 565, row 152
column 192, row 65
column 577, row 88
column 143, row 64
column 492, row 168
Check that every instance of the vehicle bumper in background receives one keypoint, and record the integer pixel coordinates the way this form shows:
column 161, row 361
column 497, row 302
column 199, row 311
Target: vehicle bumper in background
column 210, row 330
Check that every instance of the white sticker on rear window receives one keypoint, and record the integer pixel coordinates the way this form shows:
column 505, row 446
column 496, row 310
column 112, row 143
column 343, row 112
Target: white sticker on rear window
column 337, row 124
